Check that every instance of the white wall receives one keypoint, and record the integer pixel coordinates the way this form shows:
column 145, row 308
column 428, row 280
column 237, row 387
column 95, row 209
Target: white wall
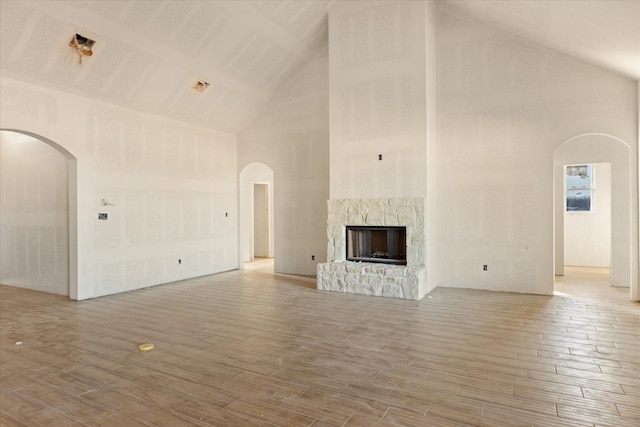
column 34, row 215
column 291, row 136
column 171, row 185
column 504, row 105
column 378, row 86
column 587, row 235
column 431, row 214
column 635, row 290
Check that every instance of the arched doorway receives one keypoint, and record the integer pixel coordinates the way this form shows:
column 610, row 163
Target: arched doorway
column 38, row 205
column 594, row 149
column 256, row 212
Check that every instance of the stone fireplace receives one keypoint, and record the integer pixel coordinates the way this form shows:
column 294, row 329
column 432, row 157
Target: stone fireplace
column 375, row 278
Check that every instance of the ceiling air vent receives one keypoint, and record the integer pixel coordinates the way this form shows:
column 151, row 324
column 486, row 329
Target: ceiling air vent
column 83, row 45
column 200, row 85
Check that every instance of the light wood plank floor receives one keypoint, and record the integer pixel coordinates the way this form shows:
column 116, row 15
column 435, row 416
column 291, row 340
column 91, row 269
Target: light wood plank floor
column 250, row 348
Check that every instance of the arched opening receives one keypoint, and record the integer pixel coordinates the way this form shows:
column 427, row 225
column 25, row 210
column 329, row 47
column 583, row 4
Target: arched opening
column 256, row 213
column 599, row 149
column 38, row 214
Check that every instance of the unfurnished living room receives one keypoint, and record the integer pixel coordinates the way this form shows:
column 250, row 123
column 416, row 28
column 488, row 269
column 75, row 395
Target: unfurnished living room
column 319, row 213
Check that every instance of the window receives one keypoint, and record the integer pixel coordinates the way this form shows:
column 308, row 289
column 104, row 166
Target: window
column 579, row 186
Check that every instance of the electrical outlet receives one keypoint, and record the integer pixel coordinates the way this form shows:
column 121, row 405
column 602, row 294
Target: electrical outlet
column 484, row 267
column 102, row 216
column 179, row 261
column 313, row 257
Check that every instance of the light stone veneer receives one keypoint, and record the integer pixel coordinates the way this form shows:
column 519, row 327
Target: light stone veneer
column 397, row 281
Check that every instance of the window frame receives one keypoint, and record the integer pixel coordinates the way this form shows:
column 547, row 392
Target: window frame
column 591, row 188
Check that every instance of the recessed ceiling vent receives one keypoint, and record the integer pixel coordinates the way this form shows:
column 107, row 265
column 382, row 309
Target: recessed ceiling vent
column 200, row 85
column 83, row 45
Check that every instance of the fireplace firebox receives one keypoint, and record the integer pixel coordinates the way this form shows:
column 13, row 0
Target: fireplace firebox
column 381, row 244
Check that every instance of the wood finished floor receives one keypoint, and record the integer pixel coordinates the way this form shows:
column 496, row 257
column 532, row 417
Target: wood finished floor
column 250, row 348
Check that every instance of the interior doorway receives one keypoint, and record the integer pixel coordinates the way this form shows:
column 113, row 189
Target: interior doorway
column 261, row 221
column 623, row 253
column 257, row 234
column 587, row 223
column 587, row 218
column 38, row 214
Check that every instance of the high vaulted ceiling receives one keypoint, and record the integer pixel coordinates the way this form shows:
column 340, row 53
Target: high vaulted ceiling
column 603, row 32
column 148, row 54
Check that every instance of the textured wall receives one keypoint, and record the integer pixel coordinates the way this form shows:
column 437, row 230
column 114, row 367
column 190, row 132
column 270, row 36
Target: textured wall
column 171, row 185
column 504, row 106
column 378, row 99
column 34, row 250
column 291, row 136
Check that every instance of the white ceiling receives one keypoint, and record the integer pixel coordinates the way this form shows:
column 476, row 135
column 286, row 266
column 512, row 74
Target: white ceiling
column 148, row 54
column 603, row 32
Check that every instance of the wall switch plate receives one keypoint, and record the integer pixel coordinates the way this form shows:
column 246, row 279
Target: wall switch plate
column 102, row 216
